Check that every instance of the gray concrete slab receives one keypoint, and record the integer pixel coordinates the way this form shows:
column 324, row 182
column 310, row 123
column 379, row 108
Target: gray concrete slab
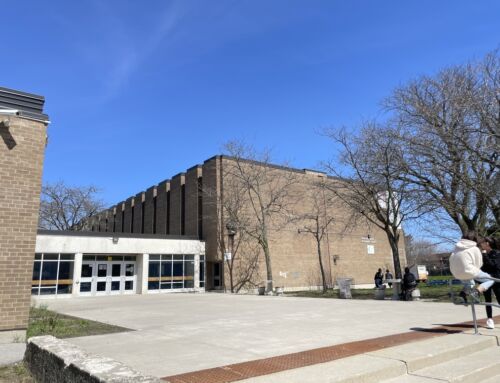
column 178, row 333
column 11, row 353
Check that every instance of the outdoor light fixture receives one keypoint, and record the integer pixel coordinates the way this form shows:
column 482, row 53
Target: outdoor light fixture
column 5, row 124
column 115, row 240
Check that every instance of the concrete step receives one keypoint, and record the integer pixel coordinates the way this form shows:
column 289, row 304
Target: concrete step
column 418, row 355
column 354, row 369
column 452, row 358
column 470, row 368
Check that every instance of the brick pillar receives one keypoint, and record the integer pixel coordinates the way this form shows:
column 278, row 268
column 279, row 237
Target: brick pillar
column 149, row 210
column 102, row 221
column 192, row 194
column 22, row 149
column 138, row 200
column 127, row 219
column 162, row 207
column 119, row 217
column 111, row 220
column 176, row 211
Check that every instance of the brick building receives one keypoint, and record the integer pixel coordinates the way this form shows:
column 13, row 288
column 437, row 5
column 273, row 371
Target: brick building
column 192, row 204
column 23, row 128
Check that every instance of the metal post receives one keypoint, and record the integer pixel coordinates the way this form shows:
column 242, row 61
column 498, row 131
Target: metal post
column 474, row 318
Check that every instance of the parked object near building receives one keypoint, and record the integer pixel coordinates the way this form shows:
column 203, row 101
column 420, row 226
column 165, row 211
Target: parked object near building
column 420, row 272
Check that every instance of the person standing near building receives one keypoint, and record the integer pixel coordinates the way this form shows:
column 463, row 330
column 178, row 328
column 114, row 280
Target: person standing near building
column 388, row 276
column 378, row 278
column 491, row 265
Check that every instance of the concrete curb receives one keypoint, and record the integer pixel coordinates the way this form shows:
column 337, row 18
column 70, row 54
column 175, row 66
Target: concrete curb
column 51, row 360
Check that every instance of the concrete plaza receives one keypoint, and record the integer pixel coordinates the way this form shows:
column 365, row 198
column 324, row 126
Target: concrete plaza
column 178, row 333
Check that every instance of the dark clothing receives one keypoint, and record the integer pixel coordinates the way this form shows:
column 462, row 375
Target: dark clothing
column 488, row 298
column 491, row 265
column 379, row 277
column 409, row 284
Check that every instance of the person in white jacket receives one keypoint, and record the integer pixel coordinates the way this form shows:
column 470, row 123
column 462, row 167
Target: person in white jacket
column 466, row 261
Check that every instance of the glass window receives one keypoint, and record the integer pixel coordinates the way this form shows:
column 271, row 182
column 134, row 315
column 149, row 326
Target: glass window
column 85, row 287
column 38, row 256
column 101, row 286
column 47, row 290
column 50, row 257
column 178, row 257
column 87, row 270
column 67, row 257
column 102, row 269
column 89, row 257
column 129, row 285
column 116, row 270
column 189, row 274
column 189, row 257
column 153, row 285
column 36, row 271
column 49, row 272
column 166, row 269
column 115, row 285
column 101, row 258
column 64, row 288
column 129, row 269
column 66, row 271
column 202, row 271
column 130, row 258
column 154, row 257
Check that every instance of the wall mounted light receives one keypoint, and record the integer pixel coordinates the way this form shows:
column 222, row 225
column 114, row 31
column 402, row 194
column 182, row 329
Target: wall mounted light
column 115, row 240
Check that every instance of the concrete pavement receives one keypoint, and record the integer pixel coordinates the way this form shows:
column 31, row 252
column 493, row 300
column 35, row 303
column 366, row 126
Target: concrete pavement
column 178, row 333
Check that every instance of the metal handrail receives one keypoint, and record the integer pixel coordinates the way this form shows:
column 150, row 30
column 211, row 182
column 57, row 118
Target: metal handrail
column 474, row 301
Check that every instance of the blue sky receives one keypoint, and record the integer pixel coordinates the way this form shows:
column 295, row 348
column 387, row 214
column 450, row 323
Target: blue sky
column 138, row 91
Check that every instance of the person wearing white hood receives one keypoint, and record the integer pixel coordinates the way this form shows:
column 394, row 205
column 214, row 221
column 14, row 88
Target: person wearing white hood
column 466, row 261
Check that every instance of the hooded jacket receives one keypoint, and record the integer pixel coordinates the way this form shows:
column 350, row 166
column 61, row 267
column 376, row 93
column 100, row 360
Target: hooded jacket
column 466, row 260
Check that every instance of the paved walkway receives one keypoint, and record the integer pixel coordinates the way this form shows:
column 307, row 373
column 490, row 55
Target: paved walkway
column 182, row 333
column 11, row 353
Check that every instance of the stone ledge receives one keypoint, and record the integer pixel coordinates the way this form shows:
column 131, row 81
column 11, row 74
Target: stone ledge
column 52, row 360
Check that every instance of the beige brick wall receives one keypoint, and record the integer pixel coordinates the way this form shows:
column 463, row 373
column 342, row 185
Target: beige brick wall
column 294, row 255
column 20, row 184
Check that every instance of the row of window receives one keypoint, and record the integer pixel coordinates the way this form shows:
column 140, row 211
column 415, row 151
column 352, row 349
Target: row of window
column 53, row 273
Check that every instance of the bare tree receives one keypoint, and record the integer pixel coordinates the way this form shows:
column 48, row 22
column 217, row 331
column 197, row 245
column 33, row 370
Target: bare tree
column 240, row 252
column 449, row 131
column 317, row 220
column 370, row 185
column 418, row 250
column 64, row 207
column 268, row 195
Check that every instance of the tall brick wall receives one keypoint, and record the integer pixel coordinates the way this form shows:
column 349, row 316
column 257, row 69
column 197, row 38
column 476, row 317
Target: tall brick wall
column 22, row 148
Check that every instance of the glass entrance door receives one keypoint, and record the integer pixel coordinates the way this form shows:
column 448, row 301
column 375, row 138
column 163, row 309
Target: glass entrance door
column 113, row 277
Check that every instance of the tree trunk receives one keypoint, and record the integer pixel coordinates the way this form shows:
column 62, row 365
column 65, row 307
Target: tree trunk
column 267, row 256
column 318, row 242
column 393, row 241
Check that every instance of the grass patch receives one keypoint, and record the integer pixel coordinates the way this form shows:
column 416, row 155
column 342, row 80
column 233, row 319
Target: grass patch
column 428, row 293
column 15, row 373
column 46, row 322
